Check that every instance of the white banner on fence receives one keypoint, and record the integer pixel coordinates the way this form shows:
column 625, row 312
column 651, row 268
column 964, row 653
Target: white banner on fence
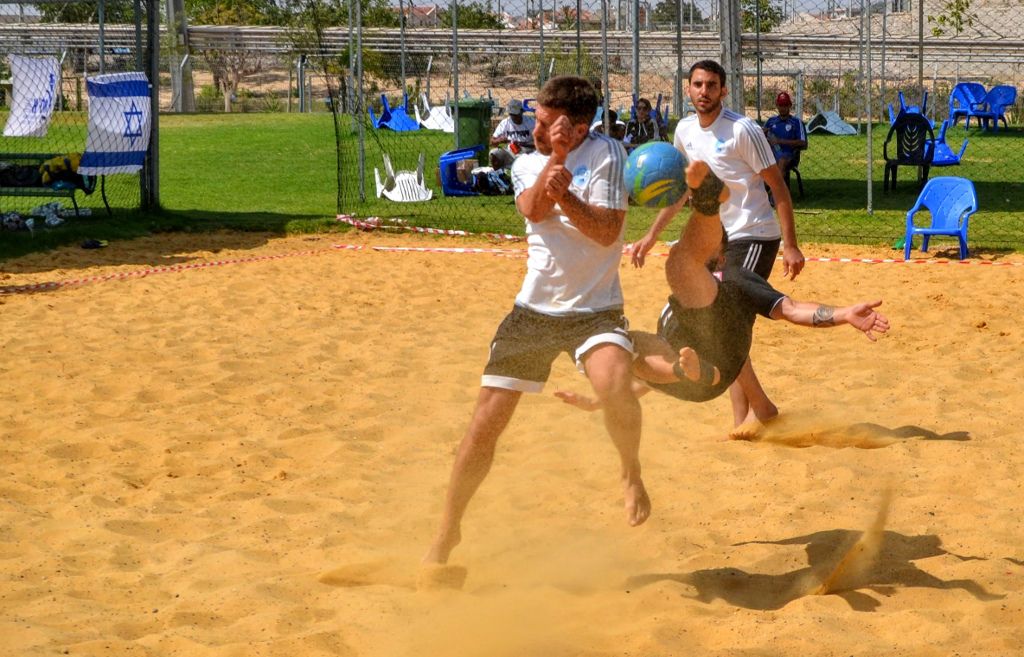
column 119, row 124
column 34, row 88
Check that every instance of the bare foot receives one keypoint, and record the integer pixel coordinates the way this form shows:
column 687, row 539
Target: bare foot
column 689, row 361
column 751, row 428
column 440, row 576
column 442, row 547
column 579, row 401
column 638, row 504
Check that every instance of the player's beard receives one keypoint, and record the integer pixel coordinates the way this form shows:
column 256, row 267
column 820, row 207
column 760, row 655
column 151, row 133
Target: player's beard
column 712, row 109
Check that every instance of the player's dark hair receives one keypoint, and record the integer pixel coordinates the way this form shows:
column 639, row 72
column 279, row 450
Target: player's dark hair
column 573, row 95
column 710, row 66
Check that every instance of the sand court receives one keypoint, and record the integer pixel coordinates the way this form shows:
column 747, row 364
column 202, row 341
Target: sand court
column 249, row 458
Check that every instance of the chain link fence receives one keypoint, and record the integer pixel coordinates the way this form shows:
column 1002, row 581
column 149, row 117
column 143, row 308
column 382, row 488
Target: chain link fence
column 844, row 63
column 850, row 68
column 49, row 50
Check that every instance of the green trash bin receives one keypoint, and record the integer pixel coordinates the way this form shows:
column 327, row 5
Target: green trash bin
column 475, row 125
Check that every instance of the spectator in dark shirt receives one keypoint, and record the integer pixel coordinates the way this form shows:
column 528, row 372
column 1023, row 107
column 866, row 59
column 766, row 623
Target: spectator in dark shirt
column 642, row 128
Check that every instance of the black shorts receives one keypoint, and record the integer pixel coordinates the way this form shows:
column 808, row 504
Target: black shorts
column 720, row 334
column 756, row 255
column 527, row 342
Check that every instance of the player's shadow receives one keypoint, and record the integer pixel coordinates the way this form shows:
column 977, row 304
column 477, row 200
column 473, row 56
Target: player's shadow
column 804, row 432
column 764, row 591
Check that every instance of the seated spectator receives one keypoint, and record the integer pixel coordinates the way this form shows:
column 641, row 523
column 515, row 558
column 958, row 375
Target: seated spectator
column 786, row 134
column 618, row 128
column 643, row 128
column 515, row 130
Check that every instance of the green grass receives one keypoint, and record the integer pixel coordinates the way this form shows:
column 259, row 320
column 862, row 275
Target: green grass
column 276, row 173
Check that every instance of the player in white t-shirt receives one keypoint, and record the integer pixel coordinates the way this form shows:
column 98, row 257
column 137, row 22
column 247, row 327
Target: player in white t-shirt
column 573, row 195
column 736, row 150
column 513, row 136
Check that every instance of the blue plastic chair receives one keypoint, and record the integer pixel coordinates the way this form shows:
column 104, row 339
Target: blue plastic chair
column 943, row 155
column 448, row 171
column 394, row 118
column 964, row 96
column 912, row 144
column 909, row 109
column 993, row 108
column 951, row 202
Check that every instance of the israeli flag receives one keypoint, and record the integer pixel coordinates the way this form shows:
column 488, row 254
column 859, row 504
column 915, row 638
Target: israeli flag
column 34, row 87
column 119, row 123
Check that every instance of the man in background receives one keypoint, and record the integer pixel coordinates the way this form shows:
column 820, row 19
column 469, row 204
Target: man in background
column 512, row 136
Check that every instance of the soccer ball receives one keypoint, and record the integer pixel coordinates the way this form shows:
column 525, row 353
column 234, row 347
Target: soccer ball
column 656, row 174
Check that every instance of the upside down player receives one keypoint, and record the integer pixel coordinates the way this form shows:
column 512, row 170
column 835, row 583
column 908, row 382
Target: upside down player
column 704, row 333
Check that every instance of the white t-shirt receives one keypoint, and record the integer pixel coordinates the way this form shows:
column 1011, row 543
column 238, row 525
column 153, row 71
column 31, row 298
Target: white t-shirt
column 520, row 134
column 737, row 151
column 567, row 272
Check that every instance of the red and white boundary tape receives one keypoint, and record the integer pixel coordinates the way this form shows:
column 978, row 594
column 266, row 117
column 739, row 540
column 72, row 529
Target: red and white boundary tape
column 916, row 261
column 378, row 223
column 142, row 273
column 508, row 253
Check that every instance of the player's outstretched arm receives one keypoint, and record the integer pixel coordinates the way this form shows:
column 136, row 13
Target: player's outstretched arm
column 862, row 316
column 590, row 404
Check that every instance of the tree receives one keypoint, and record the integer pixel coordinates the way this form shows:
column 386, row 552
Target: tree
column 771, row 15
column 666, row 12
column 233, row 12
column 565, row 17
column 473, row 15
column 229, row 65
column 956, row 15
column 122, row 11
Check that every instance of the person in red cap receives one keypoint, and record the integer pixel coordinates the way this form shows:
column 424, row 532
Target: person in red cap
column 786, row 133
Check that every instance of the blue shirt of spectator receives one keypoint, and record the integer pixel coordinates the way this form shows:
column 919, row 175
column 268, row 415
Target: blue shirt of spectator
column 785, row 132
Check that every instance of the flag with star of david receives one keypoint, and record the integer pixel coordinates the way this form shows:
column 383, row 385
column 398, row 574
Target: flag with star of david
column 119, row 123
column 34, row 87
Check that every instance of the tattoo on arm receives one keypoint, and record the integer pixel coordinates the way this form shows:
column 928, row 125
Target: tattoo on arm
column 824, row 316
column 705, row 198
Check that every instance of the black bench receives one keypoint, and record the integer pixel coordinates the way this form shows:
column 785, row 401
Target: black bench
column 59, row 189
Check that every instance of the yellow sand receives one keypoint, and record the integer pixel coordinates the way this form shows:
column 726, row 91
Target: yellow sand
column 249, row 459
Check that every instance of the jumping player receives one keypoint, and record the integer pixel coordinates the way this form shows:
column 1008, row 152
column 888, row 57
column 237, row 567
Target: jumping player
column 572, row 193
column 736, row 150
column 704, row 333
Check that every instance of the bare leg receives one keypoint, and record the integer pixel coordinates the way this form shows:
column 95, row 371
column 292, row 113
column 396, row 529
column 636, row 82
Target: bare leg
column 608, row 368
column 691, row 283
column 656, row 360
column 494, row 408
column 751, row 406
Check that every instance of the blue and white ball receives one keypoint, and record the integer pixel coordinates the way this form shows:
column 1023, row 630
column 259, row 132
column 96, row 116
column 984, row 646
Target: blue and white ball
column 656, row 174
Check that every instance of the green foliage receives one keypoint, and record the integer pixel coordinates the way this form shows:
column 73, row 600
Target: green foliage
column 956, row 15
column 209, row 98
column 667, row 11
column 771, row 15
column 276, row 173
column 564, row 54
column 234, row 12
column 379, row 13
column 115, row 11
column 311, row 14
column 472, row 15
column 565, row 17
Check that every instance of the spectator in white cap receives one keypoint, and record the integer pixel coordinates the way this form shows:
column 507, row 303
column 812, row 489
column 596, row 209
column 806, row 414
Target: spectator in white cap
column 515, row 131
